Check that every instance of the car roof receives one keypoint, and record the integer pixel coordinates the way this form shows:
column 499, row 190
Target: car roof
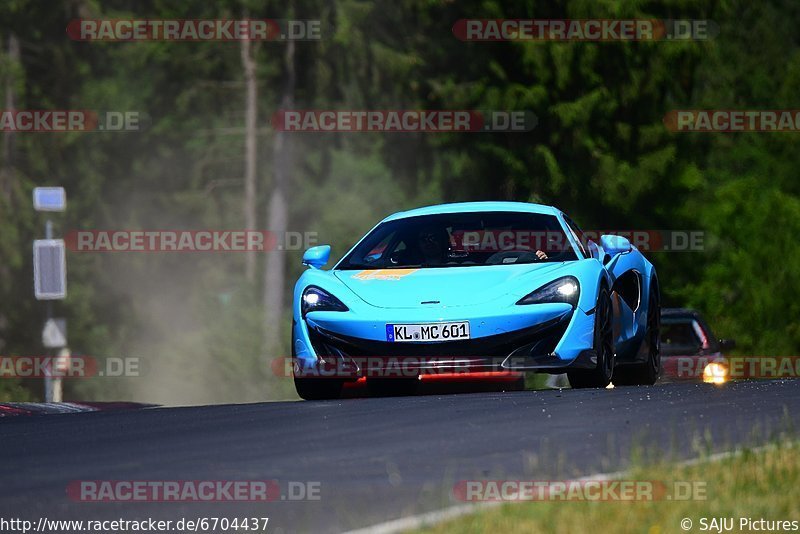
column 472, row 207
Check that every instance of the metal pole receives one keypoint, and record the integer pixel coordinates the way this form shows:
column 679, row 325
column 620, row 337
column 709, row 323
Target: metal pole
column 49, row 382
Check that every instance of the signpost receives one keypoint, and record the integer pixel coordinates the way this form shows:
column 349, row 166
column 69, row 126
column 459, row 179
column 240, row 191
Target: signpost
column 49, row 269
column 54, row 334
column 49, row 199
column 50, row 279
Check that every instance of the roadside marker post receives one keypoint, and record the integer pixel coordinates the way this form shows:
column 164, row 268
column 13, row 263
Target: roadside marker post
column 50, row 280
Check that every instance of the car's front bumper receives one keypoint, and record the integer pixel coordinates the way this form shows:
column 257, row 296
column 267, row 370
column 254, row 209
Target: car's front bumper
column 547, row 337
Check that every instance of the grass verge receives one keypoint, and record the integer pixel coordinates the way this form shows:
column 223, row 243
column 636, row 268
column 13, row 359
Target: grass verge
column 755, row 485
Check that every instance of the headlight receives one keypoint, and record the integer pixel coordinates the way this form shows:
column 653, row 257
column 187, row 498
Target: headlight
column 715, row 373
column 564, row 289
column 317, row 299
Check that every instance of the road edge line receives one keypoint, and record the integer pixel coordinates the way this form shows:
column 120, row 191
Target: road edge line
column 434, row 517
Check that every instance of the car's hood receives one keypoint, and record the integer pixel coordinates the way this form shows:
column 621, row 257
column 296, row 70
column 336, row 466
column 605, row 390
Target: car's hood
column 448, row 286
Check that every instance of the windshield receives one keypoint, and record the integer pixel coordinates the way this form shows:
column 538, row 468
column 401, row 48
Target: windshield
column 681, row 336
column 461, row 240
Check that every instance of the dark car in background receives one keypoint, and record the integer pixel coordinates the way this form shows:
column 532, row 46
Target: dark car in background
column 689, row 348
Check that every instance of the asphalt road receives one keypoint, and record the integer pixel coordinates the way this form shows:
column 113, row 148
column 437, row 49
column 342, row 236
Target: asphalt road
column 374, row 459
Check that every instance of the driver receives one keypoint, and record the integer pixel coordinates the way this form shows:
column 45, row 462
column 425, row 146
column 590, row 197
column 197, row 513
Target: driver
column 431, row 242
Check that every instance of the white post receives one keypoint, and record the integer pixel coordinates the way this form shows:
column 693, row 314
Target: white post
column 61, row 366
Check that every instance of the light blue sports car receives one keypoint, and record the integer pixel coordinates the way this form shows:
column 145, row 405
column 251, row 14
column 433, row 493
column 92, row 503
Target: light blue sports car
column 475, row 287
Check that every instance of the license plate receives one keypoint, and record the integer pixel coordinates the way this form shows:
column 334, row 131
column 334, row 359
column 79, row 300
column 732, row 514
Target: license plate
column 427, row 332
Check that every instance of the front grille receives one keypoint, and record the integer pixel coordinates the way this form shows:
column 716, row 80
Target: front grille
column 540, row 339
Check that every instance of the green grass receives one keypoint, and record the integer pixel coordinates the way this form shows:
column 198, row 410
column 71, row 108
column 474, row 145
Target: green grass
column 535, row 381
column 761, row 484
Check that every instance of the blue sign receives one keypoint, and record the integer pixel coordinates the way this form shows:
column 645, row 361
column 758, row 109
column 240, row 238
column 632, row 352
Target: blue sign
column 49, row 199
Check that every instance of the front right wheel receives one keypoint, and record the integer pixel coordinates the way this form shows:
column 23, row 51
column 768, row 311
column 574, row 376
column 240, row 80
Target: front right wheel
column 600, row 376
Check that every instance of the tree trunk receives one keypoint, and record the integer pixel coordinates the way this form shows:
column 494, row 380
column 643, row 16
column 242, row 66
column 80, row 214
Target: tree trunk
column 9, row 137
column 8, row 149
column 250, row 154
column 278, row 215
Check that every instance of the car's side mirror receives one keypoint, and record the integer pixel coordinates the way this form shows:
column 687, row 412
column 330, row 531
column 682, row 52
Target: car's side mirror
column 726, row 344
column 615, row 244
column 317, row 257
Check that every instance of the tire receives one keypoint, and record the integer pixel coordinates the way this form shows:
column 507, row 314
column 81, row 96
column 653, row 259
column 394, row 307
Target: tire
column 318, row 388
column 601, row 375
column 392, row 387
column 646, row 374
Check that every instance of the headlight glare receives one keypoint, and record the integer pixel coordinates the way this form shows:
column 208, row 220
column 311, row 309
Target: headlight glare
column 715, row 373
column 317, row 299
column 566, row 290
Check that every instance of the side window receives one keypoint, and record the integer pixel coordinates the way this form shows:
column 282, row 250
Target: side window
column 577, row 233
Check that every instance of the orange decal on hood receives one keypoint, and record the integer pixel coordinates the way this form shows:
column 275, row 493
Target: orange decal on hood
column 384, row 274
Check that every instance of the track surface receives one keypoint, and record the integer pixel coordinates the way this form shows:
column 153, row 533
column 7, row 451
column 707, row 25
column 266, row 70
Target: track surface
column 376, row 459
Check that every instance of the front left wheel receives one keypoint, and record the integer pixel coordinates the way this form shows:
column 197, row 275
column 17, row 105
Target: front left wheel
column 600, row 376
column 318, row 388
